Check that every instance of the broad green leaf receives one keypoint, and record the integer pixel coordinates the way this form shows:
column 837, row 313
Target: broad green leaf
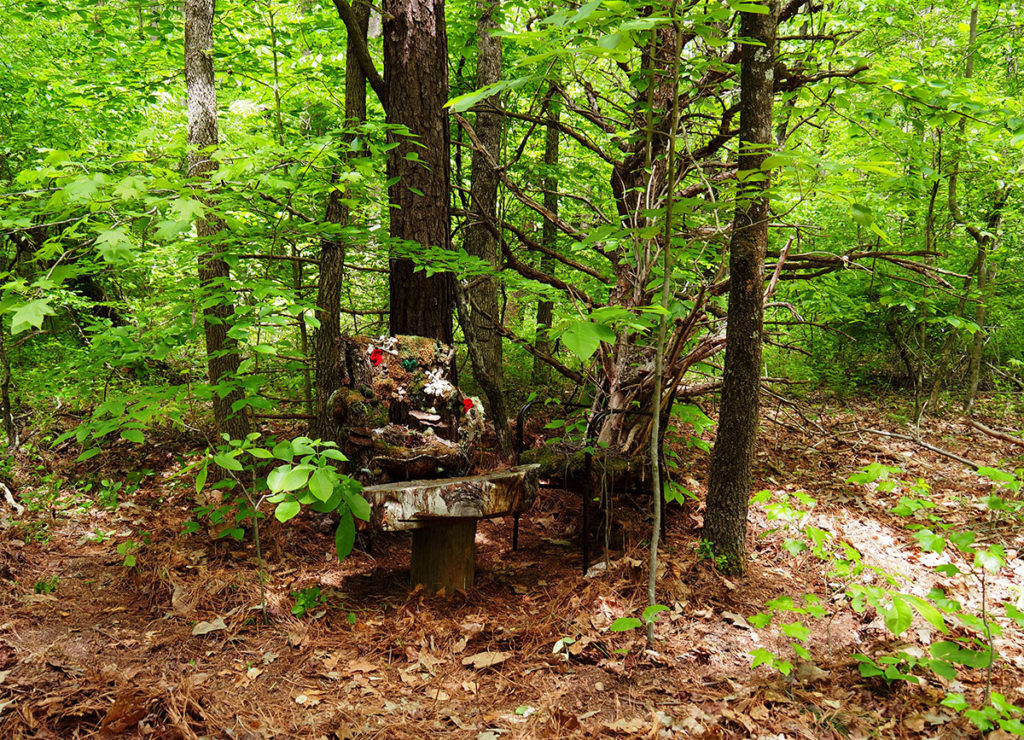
column 358, row 505
column 582, row 338
column 283, row 451
column 929, row 613
column 796, row 630
column 133, row 435
column 31, row 315
column 286, row 510
column 650, row 614
column 287, row 478
column 899, row 618
column 624, row 624
column 227, row 461
column 321, row 484
column 345, row 536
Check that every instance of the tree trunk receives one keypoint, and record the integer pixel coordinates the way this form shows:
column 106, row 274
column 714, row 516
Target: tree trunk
column 725, row 523
column 6, row 407
column 416, row 89
column 327, row 342
column 479, row 327
column 549, row 237
column 221, row 351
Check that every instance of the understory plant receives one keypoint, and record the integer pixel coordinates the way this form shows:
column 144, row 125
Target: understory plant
column 968, row 634
column 288, row 473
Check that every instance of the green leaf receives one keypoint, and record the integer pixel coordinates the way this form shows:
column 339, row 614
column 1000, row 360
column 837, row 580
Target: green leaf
column 30, row 315
column 650, row 614
column 287, row 478
column 956, row 702
column 321, row 484
column 345, row 536
column 760, row 620
column 283, row 451
column 761, row 657
column 260, row 453
column 899, row 618
column 750, row 8
column 133, row 435
column 113, row 245
column 201, row 477
column 582, row 338
column 930, row 614
column 624, row 624
column 943, row 669
column 796, row 630
column 358, row 505
column 286, row 510
column 88, row 454
column 227, row 461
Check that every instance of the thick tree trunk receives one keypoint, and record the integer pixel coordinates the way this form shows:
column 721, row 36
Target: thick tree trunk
column 416, row 89
column 327, row 343
column 725, row 523
column 549, row 237
column 479, row 326
column 221, row 351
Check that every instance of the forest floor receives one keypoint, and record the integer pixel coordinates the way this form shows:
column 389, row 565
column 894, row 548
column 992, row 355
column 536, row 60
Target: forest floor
column 173, row 647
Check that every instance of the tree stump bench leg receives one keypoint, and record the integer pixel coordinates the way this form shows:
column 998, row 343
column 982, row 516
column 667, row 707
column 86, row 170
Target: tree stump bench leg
column 443, row 555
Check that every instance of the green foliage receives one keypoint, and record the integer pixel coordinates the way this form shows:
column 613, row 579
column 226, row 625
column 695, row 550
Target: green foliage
column 46, row 585
column 307, row 601
column 305, row 475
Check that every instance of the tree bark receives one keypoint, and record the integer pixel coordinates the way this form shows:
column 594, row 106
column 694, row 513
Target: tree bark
column 221, row 351
column 327, row 342
column 549, row 238
column 416, row 89
column 725, row 523
column 482, row 335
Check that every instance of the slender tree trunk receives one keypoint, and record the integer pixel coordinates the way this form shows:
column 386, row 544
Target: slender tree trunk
column 549, row 237
column 221, row 351
column 6, row 406
column 725, row 523
column 327, row 341
column 416, row 89
column 482, row 335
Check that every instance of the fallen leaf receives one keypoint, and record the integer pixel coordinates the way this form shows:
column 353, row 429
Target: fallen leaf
column 627, row 726
column 736, row 620
column 915, row 723
column 486, row 659
column 205, row 628
column 360, row 666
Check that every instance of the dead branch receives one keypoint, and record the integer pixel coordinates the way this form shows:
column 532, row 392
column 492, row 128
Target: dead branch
column 996, row 433
column 927, row 445
column 9, row 498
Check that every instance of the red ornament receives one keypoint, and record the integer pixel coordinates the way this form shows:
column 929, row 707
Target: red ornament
column 376, row 357
column 467, row 404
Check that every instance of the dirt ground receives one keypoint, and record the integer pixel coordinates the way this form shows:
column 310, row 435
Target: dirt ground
column 174, row 646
